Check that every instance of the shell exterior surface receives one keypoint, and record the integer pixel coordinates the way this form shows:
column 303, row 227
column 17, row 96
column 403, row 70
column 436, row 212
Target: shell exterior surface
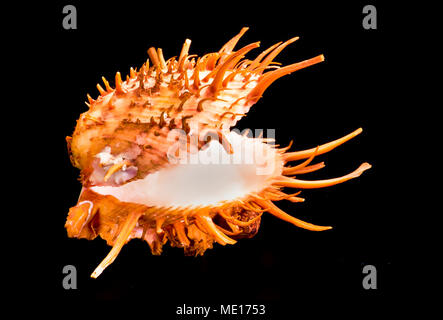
column 125, row 138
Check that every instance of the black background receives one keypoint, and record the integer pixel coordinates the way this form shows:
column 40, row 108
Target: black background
column 286, row 268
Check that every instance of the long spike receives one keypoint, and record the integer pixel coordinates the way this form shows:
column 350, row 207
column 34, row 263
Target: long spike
column 101, row 90
column 268, row 78
column 132, row 73
column 127, row 228
column 304, row 184
column 161, row 59
column 297, row 155
column 154, row 57
column 183, row 54
column 229, row 46
column 296, row 199
column 274, row 53
column 118, row 83
column 288, row 147
column 107, row 86
column 181, row 234
column 308, row 169
column 276, row 211
column 217, row 82
column 211, row 228
column 289, row 171
column 259, row 58
column 90, row 98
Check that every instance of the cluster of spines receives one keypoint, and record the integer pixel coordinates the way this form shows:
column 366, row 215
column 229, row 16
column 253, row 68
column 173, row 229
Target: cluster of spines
column 216, row 64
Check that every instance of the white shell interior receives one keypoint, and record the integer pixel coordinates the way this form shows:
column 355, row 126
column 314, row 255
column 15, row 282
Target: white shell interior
column 207, row 178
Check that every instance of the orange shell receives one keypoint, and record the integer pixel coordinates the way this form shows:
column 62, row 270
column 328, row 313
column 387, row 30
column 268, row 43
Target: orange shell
column 124, row 137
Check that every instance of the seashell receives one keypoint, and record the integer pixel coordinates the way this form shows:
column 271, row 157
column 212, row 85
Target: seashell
column 146, row 152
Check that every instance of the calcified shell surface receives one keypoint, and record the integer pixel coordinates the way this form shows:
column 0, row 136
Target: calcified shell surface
column 159, row 162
